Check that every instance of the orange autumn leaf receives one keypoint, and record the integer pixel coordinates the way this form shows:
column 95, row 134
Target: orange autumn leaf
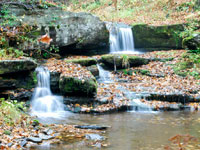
column 45, row 39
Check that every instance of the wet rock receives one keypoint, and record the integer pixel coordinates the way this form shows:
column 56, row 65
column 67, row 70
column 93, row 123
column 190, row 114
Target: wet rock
column 77, row 110
column 45, row 137
column 54, row 81
column 94, row 70
column 21, row 95
column 179, row 98
column 78, row 100
column 34, row 139
column 23, row 143
column 122, row 61
column 48, row 131
column 95, row 137
column 93, row 127
column 10, row 144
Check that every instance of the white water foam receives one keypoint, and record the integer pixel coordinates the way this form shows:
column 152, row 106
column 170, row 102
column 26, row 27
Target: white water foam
column 44, row 103
column 122, row 40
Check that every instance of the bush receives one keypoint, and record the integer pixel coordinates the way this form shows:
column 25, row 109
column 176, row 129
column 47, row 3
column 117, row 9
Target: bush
column 11, row 112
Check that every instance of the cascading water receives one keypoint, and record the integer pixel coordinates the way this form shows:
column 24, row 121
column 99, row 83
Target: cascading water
column 121, row 39
column 104, row 75
column 44, row 103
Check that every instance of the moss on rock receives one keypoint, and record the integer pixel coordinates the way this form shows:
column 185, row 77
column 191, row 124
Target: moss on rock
column 83, row 61
column 122, row 61
column 13, row 66
column 159, row 37
column 78, row 87
column 192, row 42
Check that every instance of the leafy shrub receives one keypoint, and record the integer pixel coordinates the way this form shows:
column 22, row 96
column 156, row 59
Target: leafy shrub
column 11, row 111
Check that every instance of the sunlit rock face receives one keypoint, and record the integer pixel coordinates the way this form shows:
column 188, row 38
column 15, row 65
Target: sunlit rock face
column 81, row 32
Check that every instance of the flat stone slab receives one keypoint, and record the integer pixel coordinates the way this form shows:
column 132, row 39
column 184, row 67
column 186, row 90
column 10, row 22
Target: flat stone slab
column 13, row 66
column 95, row 137
column 93, row 127
column 45, row 137
column 34, row 139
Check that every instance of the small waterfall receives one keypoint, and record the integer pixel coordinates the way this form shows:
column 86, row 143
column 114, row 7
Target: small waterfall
column 121, row 39
column 104, row 75
column 44, row 103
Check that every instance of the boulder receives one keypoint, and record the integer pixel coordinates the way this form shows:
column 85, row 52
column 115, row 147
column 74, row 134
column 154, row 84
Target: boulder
column 157, row 37
column 122, row 61
column 54, row 81
column 94, row 70
column 192, row 42
column 78, row 87
column 72, row 32
column 70, row 79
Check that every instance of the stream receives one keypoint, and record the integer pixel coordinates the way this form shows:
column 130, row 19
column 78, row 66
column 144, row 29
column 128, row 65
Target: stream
column 141, row 129
column 138, row 129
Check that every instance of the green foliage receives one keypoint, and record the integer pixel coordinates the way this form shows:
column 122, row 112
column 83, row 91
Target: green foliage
column 197, row 51
column 190, row 28
column 10, row 111
column 125, row 61
column 91, row 6
column 35, row 123
column 187, row 6
column 7, row 17
column 12, row 34
column 7, row 132
column 189, row 61
column 10, row 53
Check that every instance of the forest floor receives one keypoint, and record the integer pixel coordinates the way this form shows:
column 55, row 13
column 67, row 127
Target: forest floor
column 174, row 72
column 153, row 12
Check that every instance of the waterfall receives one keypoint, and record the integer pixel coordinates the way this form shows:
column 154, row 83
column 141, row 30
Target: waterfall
column 104, row 75
column 44, row 103
column 121, row 39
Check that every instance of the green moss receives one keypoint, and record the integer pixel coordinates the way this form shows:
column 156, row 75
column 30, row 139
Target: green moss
column 74, row 86
column 122, row 61
column 192, row 42
column 83, row 61
column 157, row 36
column 7, row 132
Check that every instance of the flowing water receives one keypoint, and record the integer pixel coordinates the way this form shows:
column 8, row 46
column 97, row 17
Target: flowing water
column 140, row 129
column 134, row 130
column 122, row 40
column 44, row 103
column 104, row 75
